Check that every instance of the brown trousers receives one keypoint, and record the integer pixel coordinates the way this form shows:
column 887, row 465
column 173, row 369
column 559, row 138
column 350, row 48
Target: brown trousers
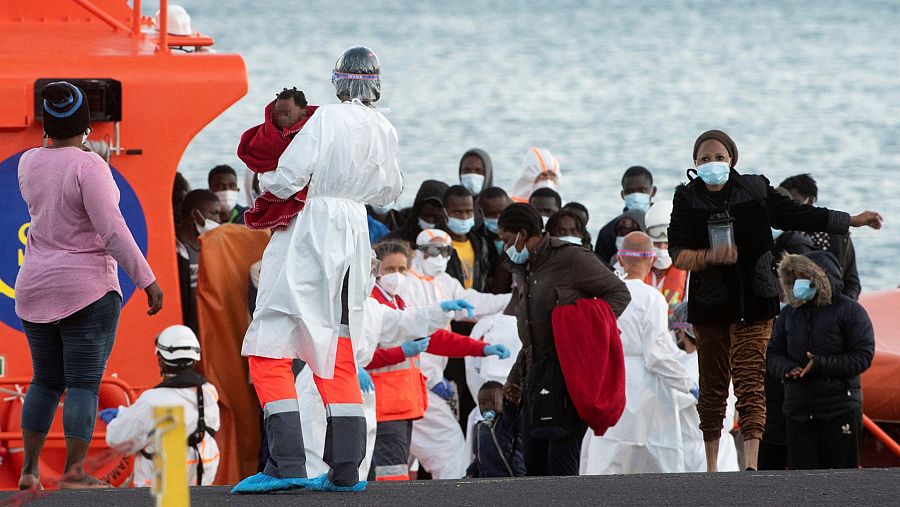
column 739, row 351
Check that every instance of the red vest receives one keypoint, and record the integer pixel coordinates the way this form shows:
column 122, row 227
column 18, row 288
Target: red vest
column 400, row 392
column 671, row 283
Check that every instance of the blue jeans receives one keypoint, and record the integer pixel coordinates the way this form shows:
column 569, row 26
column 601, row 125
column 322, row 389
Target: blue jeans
column 70, row 355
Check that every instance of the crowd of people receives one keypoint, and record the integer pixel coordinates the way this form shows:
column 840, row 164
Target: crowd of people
column 478, row 332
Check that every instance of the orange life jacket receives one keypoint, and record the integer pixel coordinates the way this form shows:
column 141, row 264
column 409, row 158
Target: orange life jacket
column 671, row 283
column 400, row 388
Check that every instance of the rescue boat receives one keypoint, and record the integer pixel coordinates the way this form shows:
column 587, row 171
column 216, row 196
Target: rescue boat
column 150, row 93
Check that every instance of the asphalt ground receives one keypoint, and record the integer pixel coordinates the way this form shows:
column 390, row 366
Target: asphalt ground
column 818, row 487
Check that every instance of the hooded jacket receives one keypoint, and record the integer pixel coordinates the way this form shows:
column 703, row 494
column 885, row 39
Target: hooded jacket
column 430, row 190
column 833, row 327
column 746, row 291
column 488, row 167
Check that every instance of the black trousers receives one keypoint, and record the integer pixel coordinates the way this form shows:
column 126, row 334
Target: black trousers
column 823, row 443
column 555, row 456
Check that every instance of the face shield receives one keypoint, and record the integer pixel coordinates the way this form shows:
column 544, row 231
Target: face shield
column 357, row 75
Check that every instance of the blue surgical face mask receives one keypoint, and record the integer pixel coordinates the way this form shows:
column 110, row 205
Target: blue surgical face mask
column 426, row 225
column 803, row 289
column 473, row 182
column 460, row 225
column 714, row 173
column 498, row 244
column 492, row 224
column 489, row 415
column 575, row 240
column 517, row 256
column 637, row 201
column 776, row 233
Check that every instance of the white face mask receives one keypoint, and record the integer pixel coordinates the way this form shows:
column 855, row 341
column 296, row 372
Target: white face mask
column 663, row 260
column 227, row 198
column 392, row 282
column 620, row 240
column 575, row 240
column 545, row 184
column 472, row 181
column 435, row 266
column 545, row 220
column 207, row 226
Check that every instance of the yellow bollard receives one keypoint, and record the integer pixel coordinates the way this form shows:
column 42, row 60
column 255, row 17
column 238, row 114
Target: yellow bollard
column 170, row 485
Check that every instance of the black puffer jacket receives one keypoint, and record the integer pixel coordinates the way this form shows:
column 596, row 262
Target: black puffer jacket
column 833, row 327
column 746, row 291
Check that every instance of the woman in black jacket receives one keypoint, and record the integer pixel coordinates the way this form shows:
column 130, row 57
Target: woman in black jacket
column 733, row 294
column 820, row 345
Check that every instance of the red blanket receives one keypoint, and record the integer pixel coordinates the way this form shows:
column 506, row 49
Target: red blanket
column 260, row 148
column 590, row 353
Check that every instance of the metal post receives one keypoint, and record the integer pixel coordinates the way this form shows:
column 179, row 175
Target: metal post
column 136, row 18
column 163, row 26
column 170, row 485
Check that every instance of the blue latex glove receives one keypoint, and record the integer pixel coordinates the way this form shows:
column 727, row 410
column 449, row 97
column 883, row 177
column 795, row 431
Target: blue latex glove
column 443, row 389
column 108, row 414
column 413, row 348
column 454, row 305
column 695, row 391
column 498, row 350
column 365, row 381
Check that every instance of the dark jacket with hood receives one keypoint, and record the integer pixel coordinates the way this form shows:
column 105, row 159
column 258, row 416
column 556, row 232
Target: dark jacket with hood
column 499, row 279
column 833, row 327
column 430, row 190
column 557, row 273
column 746, row 291
column 488, row 167
column 497, row 448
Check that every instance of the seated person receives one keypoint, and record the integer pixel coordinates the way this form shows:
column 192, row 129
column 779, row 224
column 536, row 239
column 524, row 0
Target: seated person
column 130, row 429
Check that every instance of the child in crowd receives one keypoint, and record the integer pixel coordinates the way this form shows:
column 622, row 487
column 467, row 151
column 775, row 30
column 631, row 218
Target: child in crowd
column 496, row 446
column 130, row 429
column 260, row 148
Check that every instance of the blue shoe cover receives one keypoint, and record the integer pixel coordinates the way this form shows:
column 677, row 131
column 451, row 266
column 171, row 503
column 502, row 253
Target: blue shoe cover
column 330, row 486
column 313, row 484
column 262, row 483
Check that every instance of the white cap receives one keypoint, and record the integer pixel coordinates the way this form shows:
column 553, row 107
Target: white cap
column 432, row 236
column 178, row 342
column 178, row 21
column 656, row 221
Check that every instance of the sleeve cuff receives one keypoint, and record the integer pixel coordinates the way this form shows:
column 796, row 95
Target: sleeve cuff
column 838, row 222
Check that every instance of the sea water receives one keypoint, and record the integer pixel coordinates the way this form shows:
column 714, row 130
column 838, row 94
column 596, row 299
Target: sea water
column 802, row 86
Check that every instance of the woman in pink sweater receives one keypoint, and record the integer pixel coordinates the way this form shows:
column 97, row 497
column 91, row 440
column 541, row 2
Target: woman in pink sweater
column 67, row 292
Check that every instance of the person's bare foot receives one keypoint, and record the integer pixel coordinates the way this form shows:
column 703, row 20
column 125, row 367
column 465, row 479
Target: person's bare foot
column 30, row 481
column 83, row 481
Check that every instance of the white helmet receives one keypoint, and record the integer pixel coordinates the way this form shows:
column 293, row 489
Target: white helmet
column 178, row 21
column 178, row 345
column 657, row 219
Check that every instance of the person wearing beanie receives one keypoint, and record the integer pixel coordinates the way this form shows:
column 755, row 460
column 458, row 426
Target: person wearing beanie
column 721, row 231
column 548, row 272
column 68, row 282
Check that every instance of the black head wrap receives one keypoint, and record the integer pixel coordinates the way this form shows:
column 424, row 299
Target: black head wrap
column 519, row 216
column 66, row 111
column 723, row 138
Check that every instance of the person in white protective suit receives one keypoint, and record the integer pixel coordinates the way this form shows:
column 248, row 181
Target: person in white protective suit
column 691, row 436
column 647, row 439
column 382, row 326
column 437, row 440
column 501, row 329
column 540, row 169
column 130, row 429
column 312, row 286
